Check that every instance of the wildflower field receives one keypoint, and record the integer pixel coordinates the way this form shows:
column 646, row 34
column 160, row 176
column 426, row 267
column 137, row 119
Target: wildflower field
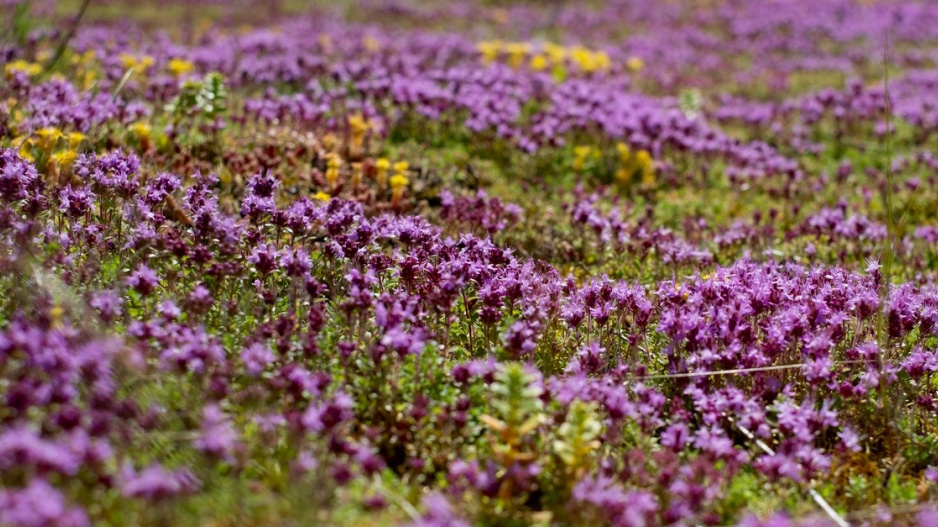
column 467, row 262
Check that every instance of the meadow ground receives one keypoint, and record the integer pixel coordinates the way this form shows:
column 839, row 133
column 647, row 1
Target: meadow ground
column 460, row 263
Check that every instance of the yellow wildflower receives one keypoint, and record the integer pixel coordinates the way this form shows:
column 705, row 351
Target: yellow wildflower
column 358, row 128
column 489, row 50
column 322, row 196
column 516, row 53
column 602, row 60
column 65, row 158
column 554, row 52
column 382, row 164
column 644, row 161
column 332, row 169
column 624, row 152
column 357, row 123
column 398, row 184
column 538, row 62
column 75, row 139
column 29, row 68
column 580, row 153
column 127, row 60
column 647, row 165
column 381, row 171
column 140, row 63
column 141, row 130
column 25, row 151
column 55, row 316
column 401, row 166
column 179, row 67
column 48, row 137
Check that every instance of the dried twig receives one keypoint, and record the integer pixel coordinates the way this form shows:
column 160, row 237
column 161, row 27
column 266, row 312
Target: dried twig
column 821, row 502
column 735, row 371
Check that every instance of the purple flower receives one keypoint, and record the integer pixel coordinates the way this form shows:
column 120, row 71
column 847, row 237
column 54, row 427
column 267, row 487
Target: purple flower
column 256, row 357
column 614, row 504
column 144, row 280
column 438, row 513
column 38, row 505
column 217, row 438
column 155, row 483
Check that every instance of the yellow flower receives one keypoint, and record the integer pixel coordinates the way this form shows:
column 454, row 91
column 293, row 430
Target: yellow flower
column 357, row 123
column 25, row 150
column 142, row 63
column 127, row 60
column 602, row 60
column 538, row 62
column 30, row 68
column 516, row 52
column 179, row 67
column 401, row 166
column 580, row 153
column 55, row 316
column 382, row 164
column 398, row 184
column 643, row 158
column 489, row 50
column 75, row 139
column 141, row 130
column 329, row 142
column 65, row 158
column 635, row 64
column 624, row 151
column 322, row 196
column 359, row 127
column 555, row 52
column 647, row 165
column 398, row 181
column 332, row 168
column 48, row 137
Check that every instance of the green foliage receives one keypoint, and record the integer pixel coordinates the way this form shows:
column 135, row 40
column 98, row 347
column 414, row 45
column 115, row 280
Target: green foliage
column 577, row 437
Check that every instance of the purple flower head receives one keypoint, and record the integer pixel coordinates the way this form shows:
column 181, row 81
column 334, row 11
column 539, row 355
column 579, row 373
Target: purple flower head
column 438, row 513
column 256, row 357
column 38, row 505
column 144, row 280
column 155, row 483
column 217, row 438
